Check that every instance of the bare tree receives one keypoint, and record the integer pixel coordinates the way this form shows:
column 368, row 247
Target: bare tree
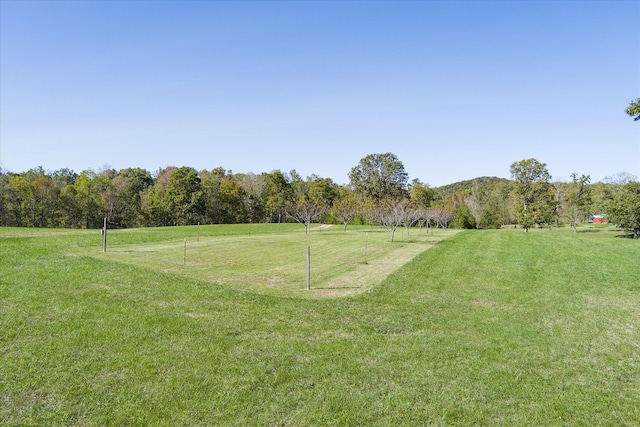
column 442, row 217
column 393, row 214
column 412, row 215
column 305, row 212
column 474, row 201
column 620, row 178
column 422, row 217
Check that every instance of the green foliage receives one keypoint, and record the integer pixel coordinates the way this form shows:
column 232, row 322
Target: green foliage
column 624, row 209
column 184, row 197
column 232, row 196
column 487, row 199
column 133, row 197
column 322, row 190
column 278, row 192
column 486, row 184
column 578, row 199
column 253, row 187
column 489, row 219
column 210, row 182
column 130, row 184
column 537, row 203
column 634, row 109
column 463, row 218
column 421, row 194
column 345, row 210
column 18, row 195
column 379, row 177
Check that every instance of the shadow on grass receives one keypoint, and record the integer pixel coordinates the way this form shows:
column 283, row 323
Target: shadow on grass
column 626, row 236
column 129, row 251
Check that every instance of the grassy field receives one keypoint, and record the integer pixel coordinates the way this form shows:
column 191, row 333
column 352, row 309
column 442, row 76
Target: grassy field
column 483, row 328
column 272, row 259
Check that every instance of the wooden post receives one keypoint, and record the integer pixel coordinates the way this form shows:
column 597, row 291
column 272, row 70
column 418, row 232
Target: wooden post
column 308, row 268
column 366, row 243
column 184, row 258
column 198, row 239
column 104, row 236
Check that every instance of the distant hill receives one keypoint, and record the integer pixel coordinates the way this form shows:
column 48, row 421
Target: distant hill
column 485, row 183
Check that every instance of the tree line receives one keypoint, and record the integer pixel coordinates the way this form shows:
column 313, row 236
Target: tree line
column 378, row 193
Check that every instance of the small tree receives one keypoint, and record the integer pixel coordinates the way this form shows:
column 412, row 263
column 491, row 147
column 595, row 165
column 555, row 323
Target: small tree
column 463, row 218
column 393, row 214
column 305, row 212
column 369, row 211
column 442, row 217
column 412, row 215
column 345, row 210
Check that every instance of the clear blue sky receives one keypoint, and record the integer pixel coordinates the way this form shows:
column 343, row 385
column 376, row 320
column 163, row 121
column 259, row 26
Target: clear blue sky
column 456, row 90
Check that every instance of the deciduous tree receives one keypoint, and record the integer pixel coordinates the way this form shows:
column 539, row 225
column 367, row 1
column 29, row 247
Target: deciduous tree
column 578, row 199
column 88, row 196
column 4, row 191
column 277, row 194
column 442, row 217
column 322, row 190
column 253, row 188
column 379, row 177
column 210, row 184
column 18, row 196
column 184, row 197
column 45, row 198
column 532, row 186
column 624, row 210
column 345, row 210
column 305, row 212
column 421, row 194
column 392, row 213
column 232, row 197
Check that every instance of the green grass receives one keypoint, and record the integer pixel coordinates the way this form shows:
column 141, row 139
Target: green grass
column 485, row 328
column 272, row 260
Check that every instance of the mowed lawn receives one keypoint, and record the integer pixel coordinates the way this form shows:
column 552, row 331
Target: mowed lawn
column 484, row 328
column 272, row 259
